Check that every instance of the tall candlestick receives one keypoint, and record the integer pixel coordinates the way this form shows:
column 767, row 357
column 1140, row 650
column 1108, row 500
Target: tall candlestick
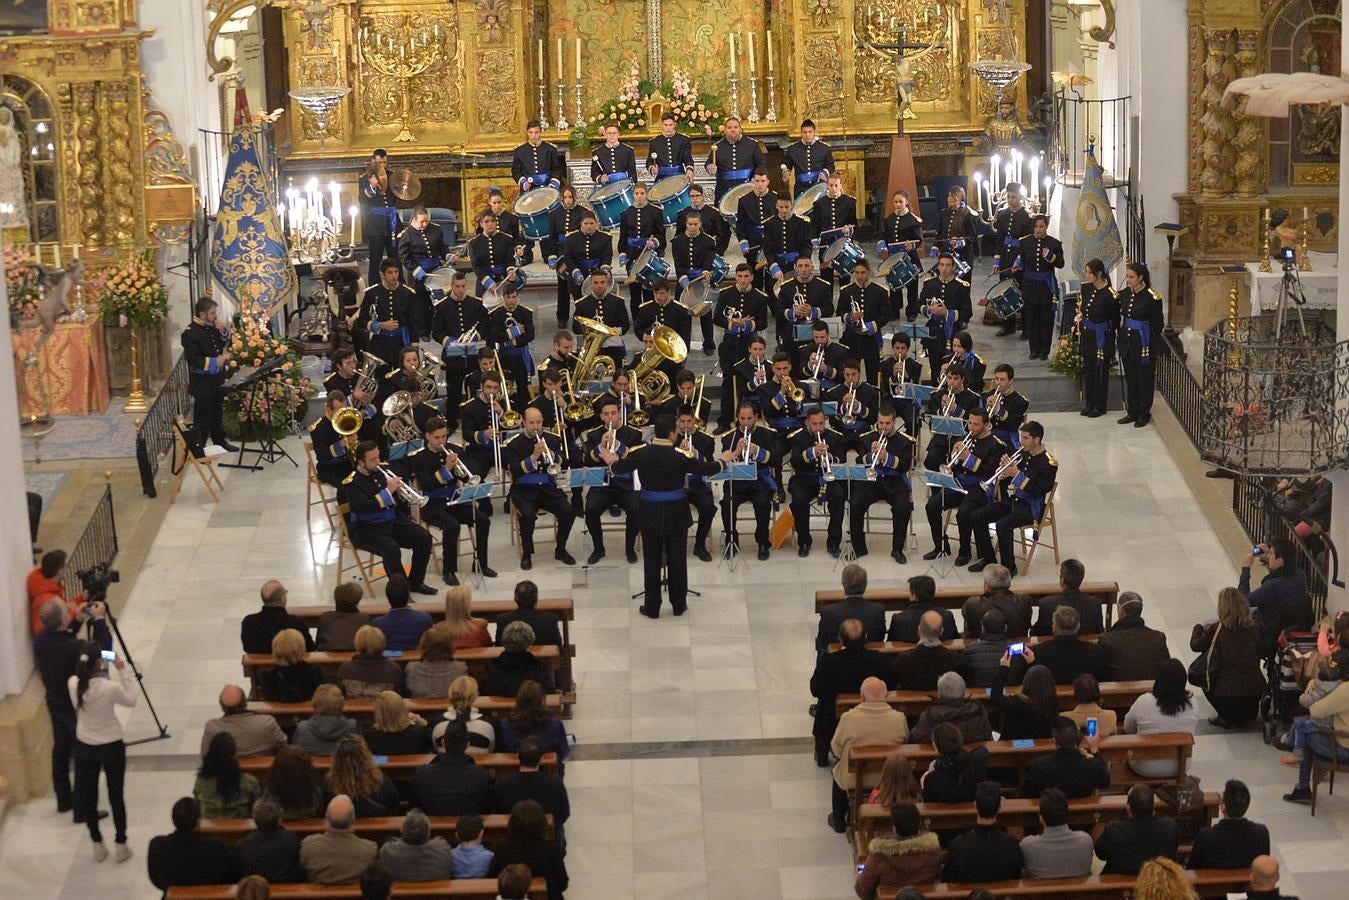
column 769, row 39
column 730, row 43
column 1007, row 175
column 540, row 59
column 351, row 211
column 578, row 60
column 337, row 203
column 559, row 60
column 993, row 165
column 978, row 190
column 751, row 54
column 1034, row 177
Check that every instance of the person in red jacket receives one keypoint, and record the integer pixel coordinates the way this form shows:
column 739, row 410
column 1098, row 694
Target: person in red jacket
column 44, row 583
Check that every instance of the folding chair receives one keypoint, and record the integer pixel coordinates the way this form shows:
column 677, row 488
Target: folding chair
column 1320, row 767
column 1032, row 536
column 359, row 561
column 317, row 488
column 204, row 466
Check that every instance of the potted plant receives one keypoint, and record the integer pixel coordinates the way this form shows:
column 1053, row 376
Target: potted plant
column 133, row 296
column 279, row 401
column 21, row 281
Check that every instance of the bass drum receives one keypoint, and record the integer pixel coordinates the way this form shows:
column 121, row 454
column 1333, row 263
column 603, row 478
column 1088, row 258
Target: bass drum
column 609, row 201
column 731, row 199
column 534, row 210
column 672, row 196
column 897, row 271
column 805, row 201
column 1005, row 299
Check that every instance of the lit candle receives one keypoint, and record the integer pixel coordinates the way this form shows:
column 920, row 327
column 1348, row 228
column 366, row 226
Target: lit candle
column 280, row 217
column 540, row 60
column 731, row 44
column 1305, row 216
column 979, row 190
column 351, row 213
column 993, row 165
column 57, row 248
column 751, row 54
column 337, row 203
column 1007, row 178
column 1034, row 176
column 578, row 60
column 1048, row 185
column 769, row 39
column 559, row 60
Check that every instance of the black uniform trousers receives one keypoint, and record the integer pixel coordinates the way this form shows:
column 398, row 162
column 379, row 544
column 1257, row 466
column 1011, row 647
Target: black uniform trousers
column 1096, row 385
column 866, row 349
column 379, row 244
column 599, row 499
column 387, row 540
column 387, row 346
column 208, row 407
column 1006, row 516
column 450, row 518
column 1140, row 376
column 421, row 311
column 567, row 292
column 965, row 505
column 665, row 545
column 456, row 370
column 756, row 493
column 700, row 498
column 332, row 473
column 911, row 305
column 804, row 489
column 528, row 500
column 891, row 491
column 1039, row 315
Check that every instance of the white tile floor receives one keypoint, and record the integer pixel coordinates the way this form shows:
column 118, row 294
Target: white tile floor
column 674, row 821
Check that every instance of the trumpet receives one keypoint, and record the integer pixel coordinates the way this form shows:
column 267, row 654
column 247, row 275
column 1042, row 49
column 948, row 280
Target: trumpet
column 686, row 446
column 462, row 472
column 881, row 443
column 826, row 460
column 965, row 444
column 1012, row 460
column 760, row 372
column 849, row 416
column 818, row 356
column 406, row 492
column 468, row 337
column 745, row 435
column 897, row 384
column 609, row 441
column 995, row 404
column 551, row 465
column 797, row 394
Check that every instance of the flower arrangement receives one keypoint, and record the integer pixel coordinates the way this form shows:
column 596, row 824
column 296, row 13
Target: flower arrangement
column 132, row 295
column 1067, row 359
column 278, row 401
column 21, row 280
column 695, row 113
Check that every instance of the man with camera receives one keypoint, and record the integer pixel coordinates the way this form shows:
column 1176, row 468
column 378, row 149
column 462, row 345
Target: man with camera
column 44, row 583
column 1281, row 601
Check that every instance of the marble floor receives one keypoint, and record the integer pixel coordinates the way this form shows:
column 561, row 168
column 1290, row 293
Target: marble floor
column 692, row 775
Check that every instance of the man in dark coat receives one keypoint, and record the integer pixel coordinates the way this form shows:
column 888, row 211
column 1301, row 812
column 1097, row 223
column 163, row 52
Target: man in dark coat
column 1073, row 767
column 544, row 623
column 1126, row 844
column 918, row 669
column 853, row 606
column 922, row 597
column 1066, row 655
column 843, row 672
column 186, row 858
column 998, row 594
column 1071, row 575
column 1133, row 651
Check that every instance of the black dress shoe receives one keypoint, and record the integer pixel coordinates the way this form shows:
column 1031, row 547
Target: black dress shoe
column 1095, row 414
column 594, row 557
column 708, row 350
column 837, row 824
column 228, row 447
column 822, row 759
column 1143, row 421
column 451, row 579
column 981, row 565
column 526, row 562
column 649, row 613
column 963, row 559
column 1085, row 412
column 803, row 551
column 899, row 557
column 763, row 553
column 833, row 551
column 858, row 550
column 1002, row 332
column 936, row 552
column 701, row 552
column 424, row 588
column 487, row 571
column 563, row 556
column 1126, row 420
column 679, row 611
column 631, row 556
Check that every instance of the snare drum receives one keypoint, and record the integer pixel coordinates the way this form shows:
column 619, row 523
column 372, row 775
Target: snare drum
column 843, row 254
column 671, row 195
column 491, row 299
column 534, row 210
column 897, row 271
column 720, row 269
column 649, row 270
column 730, row 201
column 805, row 201
column 1005, row 299
column 610, row 200
column 699, row 296
column 438, row 282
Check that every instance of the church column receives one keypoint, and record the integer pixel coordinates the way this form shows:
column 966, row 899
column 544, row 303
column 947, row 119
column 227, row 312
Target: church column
column 1338, row 598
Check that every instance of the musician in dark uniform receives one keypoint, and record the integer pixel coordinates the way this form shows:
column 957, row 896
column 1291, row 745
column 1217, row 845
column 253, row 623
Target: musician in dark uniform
column 605, row 307
column 508, row 224
column 786, row 239
column 902, row 232
column 486, row 362
column 391, row 382
column 733, row 159
column 377, row 524
column 379, row 214
column 586, row 252
column 1140, row 331
column 480, row 422
column 439, row 473
column 714, row 224
column 750, row 442
column 564, row 221
column 857, row 404
column 458, row 320
column 741, row 312
column 810, row 159
column 689, row 436
column 1040, row 256
column 970, row 463
column 803, row 299
column 532, row 457
column 562, row 358
column 536, row 162
column 888, row 450
column 863, row 308
column 693, row 253
column 832, row 217
column 493, row 254
column 640, row 228
column 954, row 399
column 1097, row 320
column 332, row 456
column 670, row 154
column 663, row 311
column 751, row 374
column 612, row 434
column 814, row 449
column 552, row 400
column 421, row 249
column 664, row 511
column 946, row 300
column 957, row 230
column 1025, row 484
column 898, row 369
column 346, row 378
column 751, row 215
column 1006, row 406
column 684, row 393
column 204, row 345
column 822, row 359
column 962, row 354
column 612, row 161
column 511, row 326
column 1010, row 225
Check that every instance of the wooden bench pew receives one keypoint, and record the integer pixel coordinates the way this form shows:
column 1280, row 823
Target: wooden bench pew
column 330, row 661
column 288, row 715
column 460, row 889
column 1116, row 695
column 1206, row 883
column 956, row 644
column 401, row 768
column 952, row 597
column 375, row 828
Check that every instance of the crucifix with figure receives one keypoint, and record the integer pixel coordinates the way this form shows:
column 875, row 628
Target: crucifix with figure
column 902, row 175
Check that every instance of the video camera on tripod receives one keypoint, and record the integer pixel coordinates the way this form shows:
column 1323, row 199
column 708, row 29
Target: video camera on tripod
column 96, row 578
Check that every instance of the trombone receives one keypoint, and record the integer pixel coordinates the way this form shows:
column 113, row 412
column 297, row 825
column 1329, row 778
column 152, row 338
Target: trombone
column 576, row 411
column 510, row 419
column 639, row 417
column 698, row 404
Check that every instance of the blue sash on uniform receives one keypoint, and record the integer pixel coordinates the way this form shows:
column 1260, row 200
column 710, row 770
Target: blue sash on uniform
column 496, row 271
column 589, row 265
column 538, row 180
column 662, row 496
column 667, row 171
column 521, row 353
column 755, row 230
column 374, row 518
column 426, row 263
column 808, row 178
column 788, row 258
column 535, row 478
column 1011, row 242
column 1037, row 505
column 1144, row 330
column 615, row 176
column 1045, row 278
column 1099, row 330
column 735, row 175
column 637, row 242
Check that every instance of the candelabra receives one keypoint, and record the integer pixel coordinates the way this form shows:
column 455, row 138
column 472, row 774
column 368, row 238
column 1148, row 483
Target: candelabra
column 317, row 240
column 403, row 51
column 735, row 97
column 561, row 106
column 770, row 89
column 580, row 120
column 1264, row 246
column 753, row 97
column 1304, row 259
column 543, row 106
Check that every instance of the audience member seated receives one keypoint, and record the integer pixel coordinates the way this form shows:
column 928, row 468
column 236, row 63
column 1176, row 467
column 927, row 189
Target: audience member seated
column 912, row 856
column 337, row 856
column 531, row 784
column 513, row 882
column 1265, row 880
column 452, row 784
column 396, row 732
column 979, row 660
column 1317, row 746
column 432, row 675
column 918, row 669
column 337, row 628
column 1125, row 844
column 842, row 672
column 257, row 629
column 1162, row 877
column 986, row 852
column 320, row 733
column 369, row 672
column 270, row 850
column 291, row 679
column 1087, row 694
column 1031, row 713
column 415, row 855
column 1281, row 601
column 469, row 631
column 255, row 734
column 186, row 858
column 1089, row 616
column 295, row 785
column 515, row 665
column 223, row 791
column 1231, row 648
column 1234, row 841
column 471, row 858
column 253, row 887
column 952, row 776
column 547, row 626
column 998, row 595
column 1073, row 767
column 922, row 598
column 871, row 722
column 853, row 606
column 531, row 716
column 1133, row 651
column 355, row 774
column 952, row 706
column 1058, row 851
column 376, row 882
column 527, row 842
column 482, row 735
column 402, row 625
column 897, row 783
column 1168, row 707
column 1065, row 655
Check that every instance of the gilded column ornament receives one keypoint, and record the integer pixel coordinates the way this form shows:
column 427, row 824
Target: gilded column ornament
column 91, row 167
column 824, row 77
column 1216, row 179
column 166, row 170
column 1249, row 130
column 119, row 179
column 495, row 95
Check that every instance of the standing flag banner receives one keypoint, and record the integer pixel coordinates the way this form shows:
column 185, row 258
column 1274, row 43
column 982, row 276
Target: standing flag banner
column 1095, row 234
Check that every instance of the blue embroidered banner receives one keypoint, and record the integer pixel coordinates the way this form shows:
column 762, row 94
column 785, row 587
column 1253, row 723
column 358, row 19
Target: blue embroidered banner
column 1095, row 234
column 248, row 251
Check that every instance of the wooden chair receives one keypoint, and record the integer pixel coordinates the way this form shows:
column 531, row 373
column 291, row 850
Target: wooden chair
column 352, row 559
column 1320, row 767
column 1032, row 536
column 317, row 489
column 539, row 524
column 204, row 466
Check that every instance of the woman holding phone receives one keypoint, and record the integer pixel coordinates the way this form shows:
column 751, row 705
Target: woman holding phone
column 96, row 693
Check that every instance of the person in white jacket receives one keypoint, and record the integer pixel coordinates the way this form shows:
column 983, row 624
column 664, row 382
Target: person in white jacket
column 96, row 692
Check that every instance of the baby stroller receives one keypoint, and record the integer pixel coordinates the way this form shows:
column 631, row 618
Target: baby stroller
column 1286, row 674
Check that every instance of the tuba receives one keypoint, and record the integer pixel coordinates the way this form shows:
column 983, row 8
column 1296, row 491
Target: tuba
column 649, row 380
column 399, row 423
column 593, row 365
column 426, row 378
column 367, row 379
column 347, row 421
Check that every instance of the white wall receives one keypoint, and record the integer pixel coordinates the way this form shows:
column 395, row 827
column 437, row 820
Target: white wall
column 16, row 559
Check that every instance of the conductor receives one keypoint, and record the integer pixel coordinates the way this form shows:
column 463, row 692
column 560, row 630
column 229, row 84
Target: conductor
column 663, row 508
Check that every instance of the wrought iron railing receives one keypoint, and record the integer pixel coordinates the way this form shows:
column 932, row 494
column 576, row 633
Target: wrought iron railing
column 1252, row 501
column 97, row 545
column 1135, row 223
column 154, row 437
column 1178, row 385
column 1078, row 123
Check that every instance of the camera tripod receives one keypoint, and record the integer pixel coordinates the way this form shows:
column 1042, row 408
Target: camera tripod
column 140, row 679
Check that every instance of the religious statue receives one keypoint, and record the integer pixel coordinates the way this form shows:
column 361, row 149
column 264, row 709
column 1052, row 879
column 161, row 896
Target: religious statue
column 13, row 198
column 1319, row 125
column 1003, row 130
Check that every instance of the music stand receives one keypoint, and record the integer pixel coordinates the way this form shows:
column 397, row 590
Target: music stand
column 253, row 379
column 952, row 426
column 945, row 483
column 741, row 471
column 849, row 472
column 584, row 477
column 471, row 494
column 914, row 330
column 404, row 448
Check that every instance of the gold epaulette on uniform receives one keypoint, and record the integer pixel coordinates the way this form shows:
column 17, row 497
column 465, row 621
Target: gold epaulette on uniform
column 349, row 479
